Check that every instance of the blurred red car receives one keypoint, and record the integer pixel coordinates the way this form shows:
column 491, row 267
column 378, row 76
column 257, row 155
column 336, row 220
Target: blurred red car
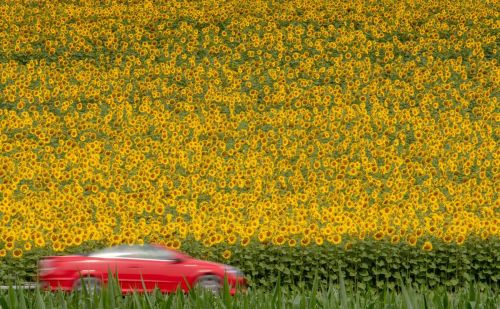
column 136, row 267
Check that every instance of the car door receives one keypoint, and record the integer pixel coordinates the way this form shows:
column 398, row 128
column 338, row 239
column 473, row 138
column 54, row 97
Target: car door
column 161, row 268
column 162, row 273
column 125, row 262
column 139, row 266
column 131, row 273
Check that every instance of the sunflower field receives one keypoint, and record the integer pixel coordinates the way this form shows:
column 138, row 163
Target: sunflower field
column 284, row 137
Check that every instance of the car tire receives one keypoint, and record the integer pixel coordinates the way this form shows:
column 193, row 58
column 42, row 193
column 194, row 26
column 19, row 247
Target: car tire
column 209, row 283
column 92, row 285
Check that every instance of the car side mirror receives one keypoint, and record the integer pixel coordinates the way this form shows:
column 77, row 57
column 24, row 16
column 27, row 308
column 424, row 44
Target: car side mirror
column 177, row 260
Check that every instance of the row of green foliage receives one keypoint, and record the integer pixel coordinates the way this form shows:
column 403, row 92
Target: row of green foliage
column 318, row 296
column 366, row 263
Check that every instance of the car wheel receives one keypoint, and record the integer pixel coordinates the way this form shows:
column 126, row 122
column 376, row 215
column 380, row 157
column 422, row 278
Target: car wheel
column 92, row 285
column 209, row 283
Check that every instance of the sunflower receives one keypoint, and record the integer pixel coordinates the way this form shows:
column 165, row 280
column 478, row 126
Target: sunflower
column 57, row 246
column 9, row 246
column 412, row 240
column 336, row 239
column 226, row 254
column 231, row 239
column 379, row 235
column 77, row 240
column 159, row 210
column 390, row 230
column 245, row 241
column 419, row 232
column 206, row 242
column 305, row 241
column 262, row 236
column 447, row 238
column 427, row 246
column 279, row 240
column 17, row 253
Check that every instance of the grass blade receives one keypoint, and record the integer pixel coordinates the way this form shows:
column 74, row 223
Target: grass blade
column 406, row 297
column 39, row 302
column 343, row 293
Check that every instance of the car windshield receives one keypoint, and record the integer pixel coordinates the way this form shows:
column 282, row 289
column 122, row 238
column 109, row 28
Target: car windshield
column 135, row 251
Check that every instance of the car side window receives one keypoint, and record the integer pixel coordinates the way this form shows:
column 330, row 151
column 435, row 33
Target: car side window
column 110, row 252
column 158, row 254
column 135, row 252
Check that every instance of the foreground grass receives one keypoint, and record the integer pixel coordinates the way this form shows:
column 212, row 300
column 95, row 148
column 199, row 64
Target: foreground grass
column 316, row 296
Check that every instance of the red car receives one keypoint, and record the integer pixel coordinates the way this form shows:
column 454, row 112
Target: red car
column 135, row 265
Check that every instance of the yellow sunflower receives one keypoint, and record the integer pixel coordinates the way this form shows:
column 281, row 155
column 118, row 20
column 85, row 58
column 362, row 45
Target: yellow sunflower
column 226, row 254
column 427, row 246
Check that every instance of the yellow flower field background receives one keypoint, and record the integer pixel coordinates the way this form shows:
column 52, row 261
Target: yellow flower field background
column 287, row 122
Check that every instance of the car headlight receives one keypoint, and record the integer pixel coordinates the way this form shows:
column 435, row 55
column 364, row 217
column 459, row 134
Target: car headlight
column 230, row 270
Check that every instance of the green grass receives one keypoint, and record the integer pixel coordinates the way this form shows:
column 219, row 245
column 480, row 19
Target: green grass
column 315, row 296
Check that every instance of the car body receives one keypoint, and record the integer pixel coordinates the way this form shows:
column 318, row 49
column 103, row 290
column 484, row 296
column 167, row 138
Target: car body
column 137, row 267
